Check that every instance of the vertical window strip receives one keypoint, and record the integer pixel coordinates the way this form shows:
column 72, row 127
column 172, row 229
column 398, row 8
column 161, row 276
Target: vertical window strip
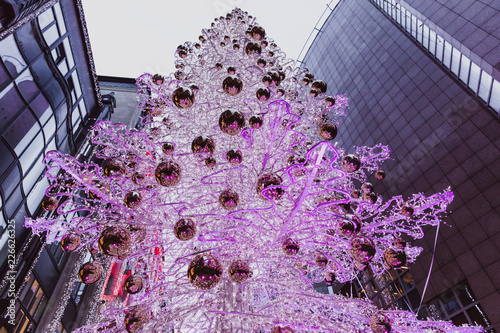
column 480, row 82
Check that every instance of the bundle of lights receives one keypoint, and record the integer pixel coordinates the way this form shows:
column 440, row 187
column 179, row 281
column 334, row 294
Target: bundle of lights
column 234, row 200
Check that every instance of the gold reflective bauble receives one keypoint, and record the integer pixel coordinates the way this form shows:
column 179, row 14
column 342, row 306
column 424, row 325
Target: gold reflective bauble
column 229, row 199
column 319, row 86
column 232, row 85
column 263, row 94
column 138, row 178
column 205, row 271
column 362, row 249
column 380, row 174
column 329, row 101
column 183, row 98
column 321, row 260
column 258, row 33
column 168, row 174
column 290, row 247
column 266, row 181
column 167, row 148
column 253, row 48
column 350, row 163
column 133, row 199
column 239, row 271
column 282, row 329
column 210, row 162
column 133, row 284
column 203, row 144
column 327, row 131
column 70, row 242
column 329, row 278
column 115, row 241
column 90, row 272
column 367, row 188
column 135, row 319
column 49, row 203
column 407, row 211
column 184, row 229
column 114, row 168
column 380, row 324
column 395, row 259
column 255, row 122
column 231, row 122
column 234, row 157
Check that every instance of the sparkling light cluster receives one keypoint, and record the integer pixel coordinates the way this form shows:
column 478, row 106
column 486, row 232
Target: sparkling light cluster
column 233, row 200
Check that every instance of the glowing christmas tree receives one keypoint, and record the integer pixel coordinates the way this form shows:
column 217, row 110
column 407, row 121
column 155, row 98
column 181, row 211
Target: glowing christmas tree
column 233, row 200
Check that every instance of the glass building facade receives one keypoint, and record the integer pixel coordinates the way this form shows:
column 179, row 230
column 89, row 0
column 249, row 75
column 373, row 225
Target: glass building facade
column 422, row 77
column 49, row 98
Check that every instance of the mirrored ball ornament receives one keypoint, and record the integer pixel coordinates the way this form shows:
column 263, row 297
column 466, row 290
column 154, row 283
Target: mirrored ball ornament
column 239, row 271
column 229, row 199
column 253, row 48
column 394, row 259
column 367, row 187
column 321, row 260
column 255, row 122
column 370, row 197
column 329, row 101
column 407, row 211
column 232, row 85
column 168, row 174
column 203, row 144
column 183, row 98
column 263, row 94
column 380, row 174
column 138, row 178
column 168, row 148
column 135, row 319
column 114, row 168
column 133, row 284
column 115, row 241
column 70, row 242
column 258, row 33
column 350, row 163
column 234, row 157
column 210, row 162
column 380, row 323
column 282, row 329
column 327, row 131
column 90, row 272
column 362, row 249
column 231, row 122
column 133, row 199
column 205, row 271
column 319, row 86
column 185, row 229
column 290, row 247
column 329, row 278
column 400, row 243
column 350, row 226
column 49, row 203
column 266, row 181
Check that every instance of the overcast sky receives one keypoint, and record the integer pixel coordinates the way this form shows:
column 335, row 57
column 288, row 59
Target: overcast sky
column 131, row 37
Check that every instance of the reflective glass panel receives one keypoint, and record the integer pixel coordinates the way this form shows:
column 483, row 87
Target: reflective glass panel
column 60, row 18
column 455, row 61
column 447, row 54
column 464, row 69
column 45, row 18
column 475, row 71
column 36, row 195
column 495, row 96
column 51, row 35
column 69, row 54
column 432, row 42
column 11, row 56
column 485, row 85
column 26, row 85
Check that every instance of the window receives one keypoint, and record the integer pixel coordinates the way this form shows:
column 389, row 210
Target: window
column 11, row 56
column 485, row 86
column 51, row 35
column 45, row 18
column 460, row 306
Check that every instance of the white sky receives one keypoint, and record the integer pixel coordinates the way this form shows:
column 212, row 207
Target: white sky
column 131, row 37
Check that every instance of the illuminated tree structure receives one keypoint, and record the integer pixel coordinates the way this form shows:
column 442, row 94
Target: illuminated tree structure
column 233, row 200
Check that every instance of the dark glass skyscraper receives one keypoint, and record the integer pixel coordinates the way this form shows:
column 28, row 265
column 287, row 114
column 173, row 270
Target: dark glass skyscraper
column 423, row 78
